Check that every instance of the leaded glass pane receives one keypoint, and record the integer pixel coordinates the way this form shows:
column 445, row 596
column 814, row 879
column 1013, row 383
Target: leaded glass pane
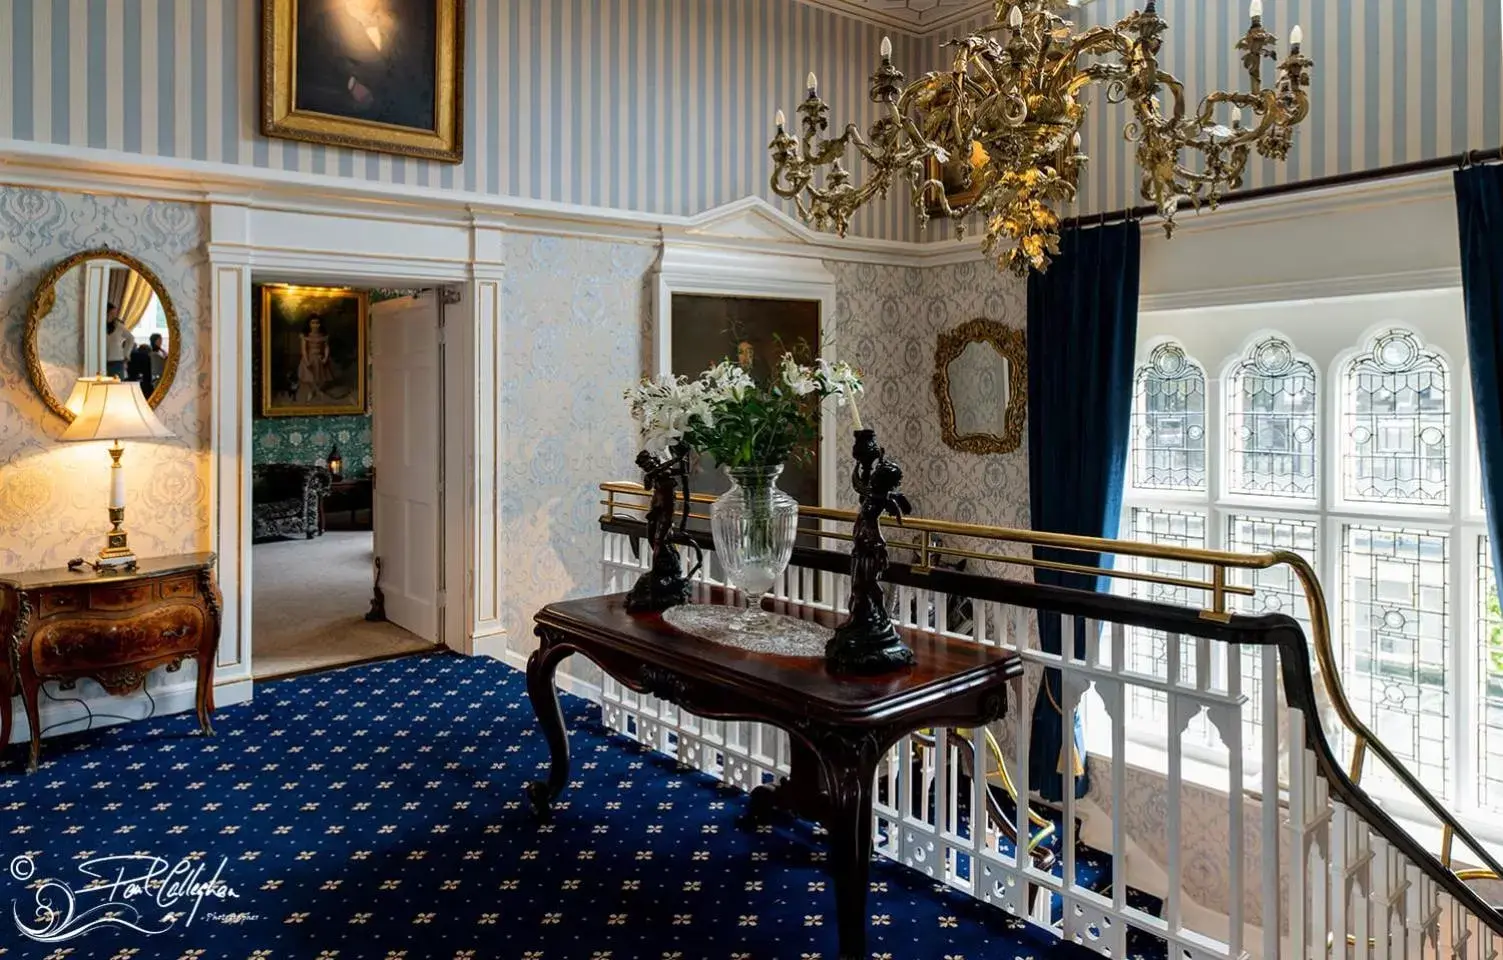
column 1396, row 423
column 1395, row 607
column 1278, row 591
column 1169, row 422
column 1148, row 650
column 1271, row 423
column 1490, row 676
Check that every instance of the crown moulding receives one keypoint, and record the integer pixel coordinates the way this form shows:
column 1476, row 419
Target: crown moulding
column 914, row 17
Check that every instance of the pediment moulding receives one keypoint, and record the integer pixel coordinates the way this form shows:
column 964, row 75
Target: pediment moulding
column 914, row 17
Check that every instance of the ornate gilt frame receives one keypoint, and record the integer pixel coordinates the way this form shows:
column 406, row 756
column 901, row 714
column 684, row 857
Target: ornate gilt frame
column 43, row 300
column 1010, row 343
column 281, row 118
column 362, row 387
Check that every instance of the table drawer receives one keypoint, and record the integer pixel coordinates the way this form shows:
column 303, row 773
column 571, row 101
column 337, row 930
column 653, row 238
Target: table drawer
column 71, row 647
column 59, row 601
column 178, row 588
column 127, row 596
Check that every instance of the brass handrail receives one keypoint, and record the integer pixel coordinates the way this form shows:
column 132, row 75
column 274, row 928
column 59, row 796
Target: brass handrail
column 1218, row 563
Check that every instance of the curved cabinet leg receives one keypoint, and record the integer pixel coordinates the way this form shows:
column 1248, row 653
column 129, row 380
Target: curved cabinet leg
column 31, row 690
column 7, row 718
column 541, row 667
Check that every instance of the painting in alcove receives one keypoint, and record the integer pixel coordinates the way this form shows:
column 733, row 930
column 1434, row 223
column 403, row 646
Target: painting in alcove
column 709, row 329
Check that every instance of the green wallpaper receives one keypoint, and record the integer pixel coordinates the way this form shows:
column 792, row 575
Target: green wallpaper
column 308, row 439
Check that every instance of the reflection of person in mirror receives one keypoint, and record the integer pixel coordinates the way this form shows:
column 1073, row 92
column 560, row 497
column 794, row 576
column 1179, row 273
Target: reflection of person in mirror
column 158, row 356
column 138, row 368
column 118, row 343
column 314, row 372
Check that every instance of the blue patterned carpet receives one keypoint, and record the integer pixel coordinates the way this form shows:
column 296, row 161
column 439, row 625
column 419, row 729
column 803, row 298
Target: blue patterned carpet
column 376, row 812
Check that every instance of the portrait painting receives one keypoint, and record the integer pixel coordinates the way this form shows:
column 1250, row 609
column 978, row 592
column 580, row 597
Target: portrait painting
column 381, row 75
column 313, row 356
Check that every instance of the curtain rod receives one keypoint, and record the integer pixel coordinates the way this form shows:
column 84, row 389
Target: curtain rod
column 1459, row 160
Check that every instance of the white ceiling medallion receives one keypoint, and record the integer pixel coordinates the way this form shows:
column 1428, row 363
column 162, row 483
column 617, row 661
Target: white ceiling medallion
column 915, row 17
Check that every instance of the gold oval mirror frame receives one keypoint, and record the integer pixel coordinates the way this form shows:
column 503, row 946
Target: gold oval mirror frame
column 45, row 299
column 1012, row 354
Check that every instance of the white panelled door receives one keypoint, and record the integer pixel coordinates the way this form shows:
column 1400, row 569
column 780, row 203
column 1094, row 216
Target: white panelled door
column 405, row 408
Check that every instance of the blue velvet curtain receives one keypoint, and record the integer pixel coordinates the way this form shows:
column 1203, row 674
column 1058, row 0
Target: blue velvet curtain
column 1082, row 333
column 1479, row 208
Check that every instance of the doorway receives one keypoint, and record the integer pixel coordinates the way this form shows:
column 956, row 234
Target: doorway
column 346, row 493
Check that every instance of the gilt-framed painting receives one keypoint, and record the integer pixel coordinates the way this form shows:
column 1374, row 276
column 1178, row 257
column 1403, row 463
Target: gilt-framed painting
column 313, row 355
column 385, row 75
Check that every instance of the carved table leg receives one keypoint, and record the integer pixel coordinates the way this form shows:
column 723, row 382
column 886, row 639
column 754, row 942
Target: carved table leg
column 801, row 794
column 544, row 696
column 850, row 769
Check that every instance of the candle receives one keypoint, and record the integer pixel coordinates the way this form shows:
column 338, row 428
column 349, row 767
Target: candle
column 886, row 48
column 855, row 414
column 117, row 486
column 1296, row 36
column 1255, row 9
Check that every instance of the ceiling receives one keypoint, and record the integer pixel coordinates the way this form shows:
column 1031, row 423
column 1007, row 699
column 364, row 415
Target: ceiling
column 916, row 17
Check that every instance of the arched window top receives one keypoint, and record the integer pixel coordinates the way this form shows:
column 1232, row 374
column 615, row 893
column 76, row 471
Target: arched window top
column 1272, row 406
column 1169, row 422
column 1396, row 420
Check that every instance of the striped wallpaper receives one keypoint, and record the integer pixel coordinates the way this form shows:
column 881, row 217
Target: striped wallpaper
column 662, row 106
column 1395, row 81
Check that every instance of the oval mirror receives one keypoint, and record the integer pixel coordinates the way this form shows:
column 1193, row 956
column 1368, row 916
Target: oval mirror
column 100, row 312
column 981, row 383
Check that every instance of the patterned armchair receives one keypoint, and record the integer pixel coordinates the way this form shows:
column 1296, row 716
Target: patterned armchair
column 285, row 500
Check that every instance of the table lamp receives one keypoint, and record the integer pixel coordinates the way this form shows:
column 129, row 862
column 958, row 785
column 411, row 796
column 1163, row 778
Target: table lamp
column 336, row 464
column 108, row 409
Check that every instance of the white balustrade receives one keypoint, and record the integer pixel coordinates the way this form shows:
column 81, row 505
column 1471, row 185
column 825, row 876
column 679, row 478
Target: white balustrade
column 1343, row 891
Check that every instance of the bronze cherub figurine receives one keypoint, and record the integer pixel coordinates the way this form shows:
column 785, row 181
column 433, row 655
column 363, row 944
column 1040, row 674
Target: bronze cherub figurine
column 665, row 584
column 868, row 642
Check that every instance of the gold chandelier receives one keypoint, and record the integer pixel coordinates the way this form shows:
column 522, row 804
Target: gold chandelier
column 998, row 134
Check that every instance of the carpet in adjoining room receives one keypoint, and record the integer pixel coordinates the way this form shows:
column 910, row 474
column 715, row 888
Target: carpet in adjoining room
column 376, row 812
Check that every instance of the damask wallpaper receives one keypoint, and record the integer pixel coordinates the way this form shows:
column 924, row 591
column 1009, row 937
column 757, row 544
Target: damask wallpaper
column 575, row 322
column 53, row 495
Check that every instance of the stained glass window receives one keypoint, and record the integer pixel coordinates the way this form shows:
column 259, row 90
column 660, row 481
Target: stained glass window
column 1490, row 681
column 1395, row 610
column 1272, row 405
column 1278, row 590
column 1148, row 650
column 1169, row 422
column 1396, row 423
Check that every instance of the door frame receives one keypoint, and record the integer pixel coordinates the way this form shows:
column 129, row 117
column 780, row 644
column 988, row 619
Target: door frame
column 363, row 244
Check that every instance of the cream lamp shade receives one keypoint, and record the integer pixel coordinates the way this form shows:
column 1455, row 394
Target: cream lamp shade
column 111, row 409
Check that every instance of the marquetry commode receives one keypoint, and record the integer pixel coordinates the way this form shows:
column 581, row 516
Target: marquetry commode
column 114, row 629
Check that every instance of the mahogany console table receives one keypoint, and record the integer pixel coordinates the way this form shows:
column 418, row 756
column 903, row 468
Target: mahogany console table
column 840, row 727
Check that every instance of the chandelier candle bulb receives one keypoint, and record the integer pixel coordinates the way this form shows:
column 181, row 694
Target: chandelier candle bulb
column 779, row 120
column 1296, row 37
column 1255, row 9
column 812, row 82
column 1015, row 19
column 886, row 48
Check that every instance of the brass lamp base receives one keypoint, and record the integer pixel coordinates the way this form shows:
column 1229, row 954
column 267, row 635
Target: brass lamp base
column 117, row 553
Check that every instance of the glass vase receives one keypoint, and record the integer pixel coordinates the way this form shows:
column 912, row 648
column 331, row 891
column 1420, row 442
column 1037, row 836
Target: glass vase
column 753, row 525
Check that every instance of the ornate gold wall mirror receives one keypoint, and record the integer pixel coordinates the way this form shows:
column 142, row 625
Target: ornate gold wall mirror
column 100, row 312
column 981, row 383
